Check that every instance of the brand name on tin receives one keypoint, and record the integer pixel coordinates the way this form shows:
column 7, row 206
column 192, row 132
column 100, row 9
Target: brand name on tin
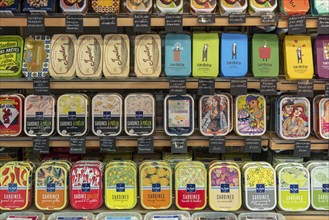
column 107, row 115
column 39, row 115
column 51, row 187
column 325, row 188
column 190, row 188
column 85, row 187
column 139, row 115
column 292, row 3
column 7, row 44
column 300, row 66
column 117, row 59
column 260, row 188
column 91, row 58
column 12, row 187
column 224, row 188
column 149, row 59
column 233, row 62
column 120, row 187
column 294, row 188
column 72, row 115
column 65, row 60
column 156, row 187
column 10, row 50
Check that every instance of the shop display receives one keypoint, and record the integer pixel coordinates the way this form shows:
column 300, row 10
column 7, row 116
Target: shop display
column 232, row 6
column 178, row 55
column 321, row 54
column 148, row 55
column 10, row 6
column 165, row 6
column 11, row 54
column 203, row 7
column 319, row 7
column 141, row 6
column 294, row 7
column 297, row 51
column 78, row 7
column 258, row 7
column 265, row 55
column 36, row 56
column 119, row 215
column 106, row 6
column 234, row 55
column 116, row 59
column 63, row 56
column 205, row 55
column 179, row 115
column 46, row 6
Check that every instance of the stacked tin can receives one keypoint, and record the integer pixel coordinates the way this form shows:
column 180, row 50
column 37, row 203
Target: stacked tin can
column 321, row 117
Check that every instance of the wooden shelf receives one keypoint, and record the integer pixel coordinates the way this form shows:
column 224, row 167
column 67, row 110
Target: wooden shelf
column 310, row 23
column 137, row 83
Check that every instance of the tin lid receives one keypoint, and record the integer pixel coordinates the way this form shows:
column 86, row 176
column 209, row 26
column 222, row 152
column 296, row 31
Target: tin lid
column 267, row 215
column 289, row 8
column 13, row 64
column 71, row 216
column 324, row 118
column 22, row 215
column 180, row 215
column 201, row 6
column 214, row 215
column 139, row 5
column 80, row 7
column 228, row 6
column 107, row 6
column 263, row 6
column 119, row 215
column 11, row 106
column 165, row 6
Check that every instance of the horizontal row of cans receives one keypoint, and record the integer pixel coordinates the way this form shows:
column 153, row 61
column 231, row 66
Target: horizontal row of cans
column 224, row 185
column 218, row 116
column 204, row 55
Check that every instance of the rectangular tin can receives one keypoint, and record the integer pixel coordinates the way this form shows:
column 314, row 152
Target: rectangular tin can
column 321, row 53
column 324, row 118
column 11, row 54
column 11, row 111
column 294, row 7
column 258, row 7
column 229, row 7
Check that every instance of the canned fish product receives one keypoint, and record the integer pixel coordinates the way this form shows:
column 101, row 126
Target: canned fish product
column 78, row 7
column 232, row 6
column 319, row 185
column 319, row 7
column 168, row 215
column 11, row 55
column 213, row 215
column 136, row 6
column 321, row 53
column 294, row 7
column 71, row 216
column 165, row 6
column 258, row 7
column 23, row 215
column 261, row 215
column 119, row 215
column 106, row 6
column 324, row 118
column 203, row 7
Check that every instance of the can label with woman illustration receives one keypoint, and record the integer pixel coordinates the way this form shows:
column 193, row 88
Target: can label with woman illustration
column 250, row 115
column 324, row 118
column 294, row 116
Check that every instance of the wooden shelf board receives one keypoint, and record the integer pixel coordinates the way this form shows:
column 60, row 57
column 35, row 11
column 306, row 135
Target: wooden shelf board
column 310, row 23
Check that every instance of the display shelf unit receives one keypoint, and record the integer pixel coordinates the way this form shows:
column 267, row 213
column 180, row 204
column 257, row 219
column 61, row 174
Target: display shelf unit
column 138, row 83
column 124, row 20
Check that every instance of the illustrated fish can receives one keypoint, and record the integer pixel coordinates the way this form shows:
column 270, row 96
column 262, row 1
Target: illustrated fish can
column 155, row 185
column 294, row 118
column 72, row 114
column 121, row 185
column 260, row 187
column 191, row 185
column 324, row 118
column 39, row 119
column 51, row 187
column 63, row 56
column 79, row 7
column 86, row 185
column 11, row 111
column 116, row 60
column 265, row 55
column 11, row 47
column 234, row 55
column 320, row 186
column 321, row 53
column 148, row 55
column 319, row 7
column 203, row 7
column 169, row 6
column 294, row 7
column 250, row 115
column 90, row 57
column 178, row 55
column 36, row 56
column 293, row 187
column 168, row 215
column 106, row 6
column 119, row 215
column 215, row 115
column 45, row 6
column 258, row 7
column 10, row 7
column 179, row 115
column 139, row 6
column 214, row 215
column 71, row 215
column 205, row 55
column 139, row 114
column 225, row 192
column 261, row 215
column 22, row 215
column 227, row 7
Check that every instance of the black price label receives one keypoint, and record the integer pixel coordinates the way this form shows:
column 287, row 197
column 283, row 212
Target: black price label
column 305, row 88
column 297, row 25
column 217, row 145
column 107, row 145
column 174, row 23
column 35, row 24
column 178, row 145
column 206, row 18
column 177, row 86
column 268, row 86
column 77, row 145
column 326, row 89
column 108, row 23
column 302, row 149
column 253, row 145
column 41, row 86
column 269, row 18
column 323, row 25
column 74, row 24
column 206, row 86
column 41, row 145
column 142, row 23
column 145, row 145
column 237, row 19
column 239, row 86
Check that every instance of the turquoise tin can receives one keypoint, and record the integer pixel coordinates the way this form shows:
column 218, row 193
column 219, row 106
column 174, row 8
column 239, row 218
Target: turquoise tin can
column 178, row 55
column 234, row 55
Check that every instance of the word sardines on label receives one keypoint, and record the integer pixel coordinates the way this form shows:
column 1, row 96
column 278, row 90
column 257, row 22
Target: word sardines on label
column 11, row 54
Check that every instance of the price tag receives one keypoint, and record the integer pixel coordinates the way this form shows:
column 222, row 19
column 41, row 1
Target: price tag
column 237, row 19
column 145, row 145
column 77, row 145
column 174, row 23
column 269, row 18
column 268, row 86
column 323, row 25
column 177, row 86
column 41, row 145
column 217, row 145
column 239, row 86
column 253, row 145
column 74, row 24
column 178, row 145
column 326, row 89
column 302, row 149
column 297, row 25
column 142, row 23
column 108, row 23
column 206, row 86
column 41, row 86
column 35, row 24
column 206, row 18
column 305, row 88
column 107, row 145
